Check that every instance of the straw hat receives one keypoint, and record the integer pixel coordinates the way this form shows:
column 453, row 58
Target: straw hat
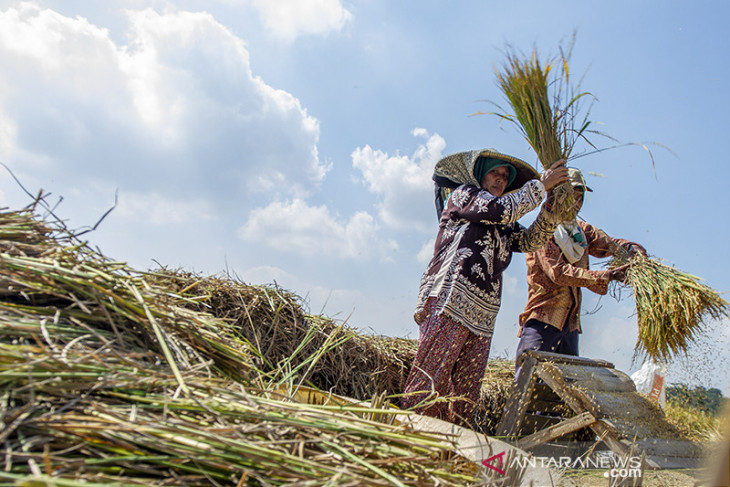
column 458, row 169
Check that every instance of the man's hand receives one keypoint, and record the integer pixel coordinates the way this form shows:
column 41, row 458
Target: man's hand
column 618, row 273
column 636, row 249
column 555, row 175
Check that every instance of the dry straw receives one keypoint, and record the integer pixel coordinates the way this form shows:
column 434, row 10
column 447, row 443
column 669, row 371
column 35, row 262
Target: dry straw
column 106, row 376
column 671, row 306
column 274, row 322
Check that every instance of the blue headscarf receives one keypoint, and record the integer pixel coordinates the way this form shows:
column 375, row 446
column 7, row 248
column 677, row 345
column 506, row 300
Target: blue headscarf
column 485, row 164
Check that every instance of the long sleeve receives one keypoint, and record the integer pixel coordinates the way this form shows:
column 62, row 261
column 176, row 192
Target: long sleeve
column 472, row 250
column 537, row 234
column 600, row 244
column 550, row 259
column 472, row 204
column 554, row 284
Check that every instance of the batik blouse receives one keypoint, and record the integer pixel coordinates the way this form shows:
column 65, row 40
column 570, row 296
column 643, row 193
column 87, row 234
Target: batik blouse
column 477, row 234
column 554, row 284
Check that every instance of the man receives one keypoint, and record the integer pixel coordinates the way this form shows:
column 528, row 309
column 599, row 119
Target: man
column 557, row 272
column 460, row 292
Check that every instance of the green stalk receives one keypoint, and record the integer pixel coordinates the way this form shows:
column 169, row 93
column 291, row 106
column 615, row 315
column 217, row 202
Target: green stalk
column 161, row 339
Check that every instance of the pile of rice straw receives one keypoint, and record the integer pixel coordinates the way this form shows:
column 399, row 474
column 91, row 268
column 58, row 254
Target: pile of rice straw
column 106, row 376
column 671, row 306
column 499, row 377
column 546, row 108
column 357, row 365
column 273, row 322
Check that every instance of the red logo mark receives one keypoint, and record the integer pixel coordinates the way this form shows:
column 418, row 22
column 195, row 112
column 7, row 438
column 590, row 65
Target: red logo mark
column 499, row 456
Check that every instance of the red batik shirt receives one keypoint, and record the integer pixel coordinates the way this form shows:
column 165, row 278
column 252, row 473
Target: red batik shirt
column 554, row 284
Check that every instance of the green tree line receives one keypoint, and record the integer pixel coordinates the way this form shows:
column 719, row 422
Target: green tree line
column 709, row 400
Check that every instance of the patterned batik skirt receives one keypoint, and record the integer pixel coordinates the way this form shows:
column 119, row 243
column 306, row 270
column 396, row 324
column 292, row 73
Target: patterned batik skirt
column 446, row 376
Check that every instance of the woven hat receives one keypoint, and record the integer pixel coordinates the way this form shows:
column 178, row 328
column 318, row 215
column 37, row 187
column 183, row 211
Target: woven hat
column 576, row 179
column 459, row 168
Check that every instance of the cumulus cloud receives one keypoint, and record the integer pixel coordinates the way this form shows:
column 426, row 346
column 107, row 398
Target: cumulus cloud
column 337, row 303
column 178, row 106
column 289, row 19
column 157, row 209
column 426, row 253
column 402, row 183
column 313, row 231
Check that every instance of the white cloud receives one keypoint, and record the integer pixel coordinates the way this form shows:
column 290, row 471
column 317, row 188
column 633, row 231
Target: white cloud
column 403, row 183
column 426, row 253
column 8, row 132
column 311, row 230
column 266, row 274
column 58, row 75
column 43, row 35
column 289, row 19
column 335, row 303
column 159, row 210
column 177, row 107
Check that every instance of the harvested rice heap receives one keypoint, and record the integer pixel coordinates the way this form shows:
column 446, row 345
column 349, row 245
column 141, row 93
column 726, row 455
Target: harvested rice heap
column 107, row 376
column 353, row 365
column 273, row 322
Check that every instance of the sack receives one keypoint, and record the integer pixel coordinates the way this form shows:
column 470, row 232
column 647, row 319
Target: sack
column 650, row 380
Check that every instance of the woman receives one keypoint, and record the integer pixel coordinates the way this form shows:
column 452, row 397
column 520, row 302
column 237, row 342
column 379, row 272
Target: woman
column 460, row 292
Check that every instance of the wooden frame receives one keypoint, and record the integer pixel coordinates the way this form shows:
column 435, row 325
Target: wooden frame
column 560, row 373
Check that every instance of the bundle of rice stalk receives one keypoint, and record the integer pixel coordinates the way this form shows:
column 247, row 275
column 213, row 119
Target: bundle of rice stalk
column 671, row 306
column 546, row 108
column 73, row 285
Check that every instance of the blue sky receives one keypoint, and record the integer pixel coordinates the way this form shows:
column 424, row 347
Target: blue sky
column 293, row 140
